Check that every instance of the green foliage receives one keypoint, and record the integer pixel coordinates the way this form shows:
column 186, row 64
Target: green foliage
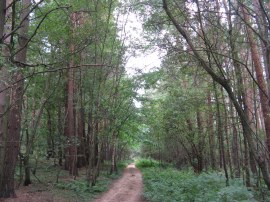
column 76, row 185
column 147, row 163
column 173, row 185
column 81, row 189
column 123, row 164
column 234, row 193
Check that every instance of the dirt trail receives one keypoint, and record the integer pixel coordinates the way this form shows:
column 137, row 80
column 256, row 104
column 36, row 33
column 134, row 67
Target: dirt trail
column 128, row 188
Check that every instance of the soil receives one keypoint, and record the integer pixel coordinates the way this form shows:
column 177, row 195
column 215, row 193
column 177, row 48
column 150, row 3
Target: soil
column 128, row 188
column 31, row 193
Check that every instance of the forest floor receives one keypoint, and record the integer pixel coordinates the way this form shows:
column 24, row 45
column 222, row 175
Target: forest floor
column 128, row 188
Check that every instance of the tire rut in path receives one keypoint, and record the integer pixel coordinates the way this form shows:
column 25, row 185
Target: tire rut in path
column 128, row 188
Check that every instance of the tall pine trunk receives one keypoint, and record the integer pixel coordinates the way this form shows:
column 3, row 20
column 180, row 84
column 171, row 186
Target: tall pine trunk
column 211, row 136
column 260, row 78
column 71, row 155
column 221, row 136
column 11, row 111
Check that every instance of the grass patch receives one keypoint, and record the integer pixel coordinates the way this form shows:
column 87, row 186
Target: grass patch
column 183, row 186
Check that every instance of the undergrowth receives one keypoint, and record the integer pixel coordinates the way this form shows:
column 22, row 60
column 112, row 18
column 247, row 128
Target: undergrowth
column 146, row 163
column 81, row 191
column 65, row 187
column 150, row 163
column 171, row 185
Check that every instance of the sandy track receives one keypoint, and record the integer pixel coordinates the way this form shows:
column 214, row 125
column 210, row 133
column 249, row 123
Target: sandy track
column 128, row 188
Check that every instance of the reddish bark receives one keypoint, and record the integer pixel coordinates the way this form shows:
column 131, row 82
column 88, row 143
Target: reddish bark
column 260, row 79
column 81, row 138
column 70, row 121
column 10, row 133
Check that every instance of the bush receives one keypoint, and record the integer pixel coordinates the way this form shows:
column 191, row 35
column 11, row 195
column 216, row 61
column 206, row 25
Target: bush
column 175, row 186
column 123, row 164
column 80, row 190
column 146, row 163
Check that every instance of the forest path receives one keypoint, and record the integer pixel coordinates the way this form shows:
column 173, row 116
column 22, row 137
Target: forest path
column 128, row 188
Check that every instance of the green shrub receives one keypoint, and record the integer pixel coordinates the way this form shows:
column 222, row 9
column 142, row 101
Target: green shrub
column 171, row 185
column 235, row 193
column 76, row 185
column 80, row 190
column 146, row 163
column 123, row 164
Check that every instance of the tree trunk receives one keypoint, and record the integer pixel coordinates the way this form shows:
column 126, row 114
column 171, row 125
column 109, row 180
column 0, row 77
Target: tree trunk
column 93, row 153
column 244, row 91
column 235, row 152
column 60, row 134
column 261, row 20
column 50, row 141
column 26, row 163
column 221, row 136
column 211, row 136
column 228, row 154
column 2, row 18
column 249, row 105
column 81, row 138
column 9, row 135
column 260, row 79
column 201, row 145
column 113, row 160
column 70, row 122
column 19, row 86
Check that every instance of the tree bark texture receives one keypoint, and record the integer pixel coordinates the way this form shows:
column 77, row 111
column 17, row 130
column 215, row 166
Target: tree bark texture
column 260, row 79
column 70, row 122
column 9, row 143
column 2, row 18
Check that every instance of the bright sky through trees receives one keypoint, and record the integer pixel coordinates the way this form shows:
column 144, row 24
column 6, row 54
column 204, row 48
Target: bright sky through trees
column 139, row 60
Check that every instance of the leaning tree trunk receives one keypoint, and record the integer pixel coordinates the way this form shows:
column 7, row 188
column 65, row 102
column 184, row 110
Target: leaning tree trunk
column 261, row 161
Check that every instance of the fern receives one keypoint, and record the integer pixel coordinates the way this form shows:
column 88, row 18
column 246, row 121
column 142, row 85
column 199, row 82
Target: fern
column 172, row 185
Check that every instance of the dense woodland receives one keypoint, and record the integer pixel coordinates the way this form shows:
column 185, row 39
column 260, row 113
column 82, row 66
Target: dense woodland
column 65, row 95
